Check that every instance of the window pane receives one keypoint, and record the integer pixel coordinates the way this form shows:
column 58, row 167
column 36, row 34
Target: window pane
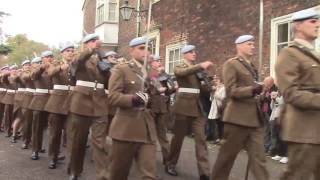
column 283, row 31
column 171, row 54
column 176, row 55
column 100, row 14
column 112, row 11
column 153, row 45
column 171, row 65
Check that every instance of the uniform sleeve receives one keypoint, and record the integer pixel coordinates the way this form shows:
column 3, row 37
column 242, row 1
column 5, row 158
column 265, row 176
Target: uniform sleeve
column 116, row 90
column 185, row 71
column 233, row 89
column 287, row 74
column 54, row 69
column 36, row 73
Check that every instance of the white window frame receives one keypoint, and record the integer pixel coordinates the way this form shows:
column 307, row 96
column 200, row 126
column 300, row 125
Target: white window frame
column 106, row 9
column 116, row 11
column 98, row 21
column 173, row 47
column 155, row 35
column 274, row 37
column 155, row 1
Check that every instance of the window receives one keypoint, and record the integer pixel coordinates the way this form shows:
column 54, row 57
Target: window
column 154, row 41
column 155, row 1
column 100, row 14
column 173, row 56
column 153, row 45
column 112, row 15
column 281, row 36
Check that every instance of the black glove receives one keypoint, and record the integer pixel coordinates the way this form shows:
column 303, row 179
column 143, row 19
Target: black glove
column 257, row 89
column 140, row 99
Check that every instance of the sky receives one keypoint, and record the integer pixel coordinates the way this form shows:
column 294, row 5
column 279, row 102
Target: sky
column 48, row 21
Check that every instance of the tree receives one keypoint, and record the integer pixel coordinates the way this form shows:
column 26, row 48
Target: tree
column 4, row 49
column 23, row 48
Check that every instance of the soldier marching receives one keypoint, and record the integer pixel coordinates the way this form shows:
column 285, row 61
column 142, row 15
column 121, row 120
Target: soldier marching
column 122, row 106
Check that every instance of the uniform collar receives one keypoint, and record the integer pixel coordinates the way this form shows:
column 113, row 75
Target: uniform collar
column 244, row 59
column 189, row 63
column 304, row 43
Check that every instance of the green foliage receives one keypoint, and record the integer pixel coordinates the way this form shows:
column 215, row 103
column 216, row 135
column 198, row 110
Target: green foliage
column 4, row 49
column 23, row 48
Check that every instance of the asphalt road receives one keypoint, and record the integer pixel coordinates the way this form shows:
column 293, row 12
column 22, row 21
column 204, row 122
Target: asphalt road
column 15, row 164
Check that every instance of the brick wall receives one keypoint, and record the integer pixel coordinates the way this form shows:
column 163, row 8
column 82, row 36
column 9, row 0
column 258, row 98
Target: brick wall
column 127, row 29
column 89, row 14
column 213, row 25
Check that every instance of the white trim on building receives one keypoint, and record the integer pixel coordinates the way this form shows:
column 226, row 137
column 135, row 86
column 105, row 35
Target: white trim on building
column 173, row 56
column 283, row 23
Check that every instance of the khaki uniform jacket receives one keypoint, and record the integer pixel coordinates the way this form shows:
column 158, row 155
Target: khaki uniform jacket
column 9, row 82
column 58, row 98
column 241, row 108
column 87, row 101
column 129, row 123
column 159, row 102
column 2, row 93
column 42, row 80
column 188, row 104
column 18, row 97
column 27, row 98
column 298, row 78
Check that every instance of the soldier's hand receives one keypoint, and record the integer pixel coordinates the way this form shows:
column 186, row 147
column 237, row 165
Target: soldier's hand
column 257, row 89
column 140, row 99
column 206, row 64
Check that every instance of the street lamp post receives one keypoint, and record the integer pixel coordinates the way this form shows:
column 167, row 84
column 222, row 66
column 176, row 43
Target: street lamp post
column 126, row 11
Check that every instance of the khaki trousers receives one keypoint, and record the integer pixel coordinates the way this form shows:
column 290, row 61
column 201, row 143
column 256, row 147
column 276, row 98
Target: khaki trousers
column 1, row 114
column 123, row 154
column 235, row 139
column 8, row 118
column 181, row 128
column 27, row 125
column 304, row 161
column 39, row 123
column 78, row 131
column 161, row 128
column 56, row 124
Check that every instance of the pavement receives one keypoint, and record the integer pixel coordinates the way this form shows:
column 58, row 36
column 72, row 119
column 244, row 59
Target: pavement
column 15, row 164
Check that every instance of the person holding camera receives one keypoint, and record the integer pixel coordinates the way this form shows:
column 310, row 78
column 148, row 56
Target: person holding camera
column 189, row 112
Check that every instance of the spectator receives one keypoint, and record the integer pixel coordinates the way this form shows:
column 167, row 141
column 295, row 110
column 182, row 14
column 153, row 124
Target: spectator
column 278, row 147
column 217, row 105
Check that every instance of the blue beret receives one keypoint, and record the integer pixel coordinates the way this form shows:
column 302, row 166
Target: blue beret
column 187, row 48
column 5, row 67
column 138, row 41
column 46, row 54
column 305, row 14
column 66, row 45
column 36, row 60
column 90, row 37
column 156, row 57
column 244, row 38
column 14, row 66
column 25, row 62
column 110, row 53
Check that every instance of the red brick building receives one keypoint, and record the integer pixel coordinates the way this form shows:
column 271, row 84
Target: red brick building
column 213, row 25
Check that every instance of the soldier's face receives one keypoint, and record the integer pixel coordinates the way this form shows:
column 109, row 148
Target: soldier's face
column 246, row 48
column 309, row 28
column 68, row 54
column 48, row 59
column 190, row 56
column 139, row 52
